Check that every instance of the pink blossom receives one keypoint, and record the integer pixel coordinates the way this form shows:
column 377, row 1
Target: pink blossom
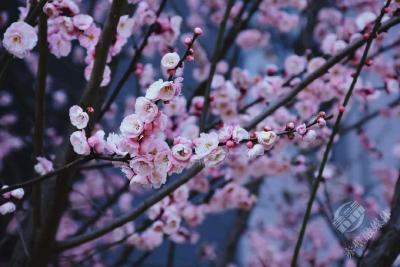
column 331, row 44
column 19, row 39
column 266, row 138
column 141, row 166
column 125, row 26
column 82, row 21
column 314, row 64
column 50, row 10
column 152, row 147
column 215, row 157
column 176, row 106
column 310, row 136
column 79, row 143
column 97, row 142
column 132, row 126
column 59, row 46
column 294, row 65
column 106, row 74
column 255, row 151
column 78, row 117
column 193, row 215
column 157, row 178
column 252, row 38
column 239, row 134
column 43, row 166
column 205, row 144
column 181, row 194
column 364, row 19
column 18, row 193
column 392, row 85
column 225, row 133
column 90, row 37
column 160, row 90
column 116, row 144
column 181, row 152
column 170, row 60
column 171, row 222
column 301, row 129
column 146, row 109
column 7, row 208
column 148, row 240
column 162, row 161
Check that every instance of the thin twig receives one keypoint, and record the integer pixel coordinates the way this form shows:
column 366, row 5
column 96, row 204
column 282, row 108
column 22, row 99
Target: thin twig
column 132, row 64
column 46, row 176
column 62, row 169
column 141, row 208
column 361, row 122
column 213, row 67
column 93, row 219
column 319, row 72
column 335, row 130
column 171, row 254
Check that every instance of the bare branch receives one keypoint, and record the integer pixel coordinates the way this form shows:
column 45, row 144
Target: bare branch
column 335, row 130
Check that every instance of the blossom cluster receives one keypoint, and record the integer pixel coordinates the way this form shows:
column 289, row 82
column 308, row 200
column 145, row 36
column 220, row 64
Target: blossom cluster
column 141, row 138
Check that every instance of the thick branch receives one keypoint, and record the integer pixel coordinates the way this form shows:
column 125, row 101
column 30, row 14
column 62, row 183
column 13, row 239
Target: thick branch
column 39, row 113
column 384, row 251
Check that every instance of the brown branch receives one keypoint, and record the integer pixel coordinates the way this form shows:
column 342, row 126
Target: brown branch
column 58, row 171
column 140, row 209
column 102, row 209
column 171, row 254
column 39, row 179
column 384, row 251
column 39, row 114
